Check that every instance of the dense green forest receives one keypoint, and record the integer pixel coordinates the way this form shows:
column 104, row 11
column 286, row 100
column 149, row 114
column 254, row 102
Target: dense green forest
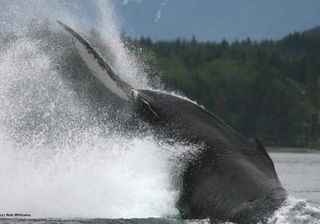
column 268, row 89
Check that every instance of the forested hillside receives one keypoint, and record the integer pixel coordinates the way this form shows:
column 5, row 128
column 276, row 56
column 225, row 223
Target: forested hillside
column 269, row 89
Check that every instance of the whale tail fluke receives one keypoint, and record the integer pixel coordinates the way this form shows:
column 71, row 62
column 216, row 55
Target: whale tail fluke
column 99, row 68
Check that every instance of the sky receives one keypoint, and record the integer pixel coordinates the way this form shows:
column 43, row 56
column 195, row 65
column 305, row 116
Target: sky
column 217, row 19
column 207, row 20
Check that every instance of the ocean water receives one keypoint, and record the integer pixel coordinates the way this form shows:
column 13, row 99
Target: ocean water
column 297, row 172
column 67, row 155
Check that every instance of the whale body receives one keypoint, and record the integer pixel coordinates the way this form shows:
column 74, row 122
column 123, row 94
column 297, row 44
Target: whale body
column 230, row 180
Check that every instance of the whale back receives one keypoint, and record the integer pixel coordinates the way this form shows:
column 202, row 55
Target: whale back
column 198, row 124
column 231, row 178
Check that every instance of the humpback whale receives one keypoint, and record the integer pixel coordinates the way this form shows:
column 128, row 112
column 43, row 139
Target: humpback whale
column 232, row 179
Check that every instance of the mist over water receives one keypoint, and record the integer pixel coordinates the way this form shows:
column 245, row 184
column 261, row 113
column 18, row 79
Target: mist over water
column 63, row 154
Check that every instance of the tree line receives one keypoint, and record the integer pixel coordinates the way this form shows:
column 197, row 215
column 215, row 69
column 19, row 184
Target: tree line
column 269, row 89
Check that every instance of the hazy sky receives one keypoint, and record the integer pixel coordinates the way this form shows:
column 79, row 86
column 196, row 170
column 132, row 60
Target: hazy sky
column 217, row 19
column 169, row 19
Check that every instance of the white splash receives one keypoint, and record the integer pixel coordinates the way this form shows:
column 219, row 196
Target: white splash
column 296, row 211
column 58, row 158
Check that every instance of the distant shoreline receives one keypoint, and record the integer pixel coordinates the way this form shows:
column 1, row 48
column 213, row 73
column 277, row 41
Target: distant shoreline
column 291, row 149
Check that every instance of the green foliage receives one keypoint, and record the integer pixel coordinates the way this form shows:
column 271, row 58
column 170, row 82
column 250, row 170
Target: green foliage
column 269, row 89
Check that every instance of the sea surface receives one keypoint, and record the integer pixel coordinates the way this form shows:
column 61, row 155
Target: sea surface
column 298, row 172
